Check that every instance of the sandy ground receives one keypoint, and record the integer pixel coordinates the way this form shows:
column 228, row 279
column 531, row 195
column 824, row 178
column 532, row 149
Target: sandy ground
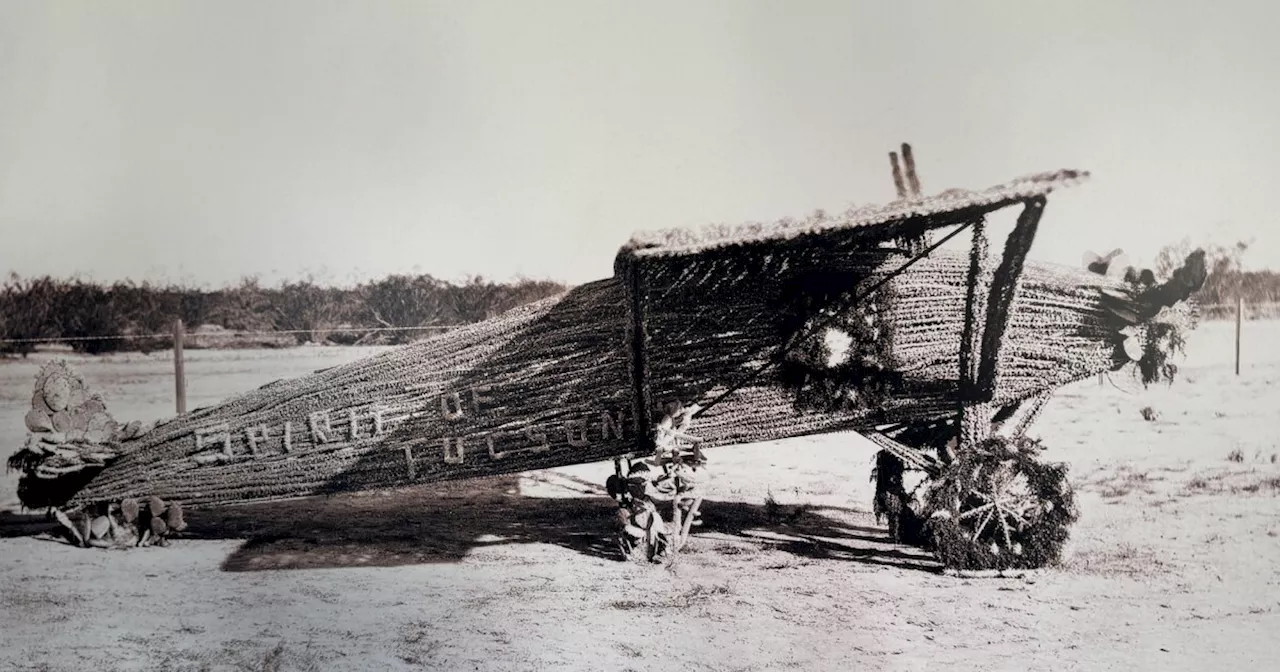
column 1175, row 564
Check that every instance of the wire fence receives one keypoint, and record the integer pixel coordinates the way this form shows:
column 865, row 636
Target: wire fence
column 1266, row 310
column 1213, row 311
column 229, row 334
column 180, row 338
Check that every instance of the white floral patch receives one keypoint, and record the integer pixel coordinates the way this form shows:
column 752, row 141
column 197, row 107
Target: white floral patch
column 838, row 344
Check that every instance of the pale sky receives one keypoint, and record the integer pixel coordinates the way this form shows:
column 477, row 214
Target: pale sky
column 202, row 142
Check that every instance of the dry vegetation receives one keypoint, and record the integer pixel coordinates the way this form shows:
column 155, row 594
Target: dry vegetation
column 1227, row 279
column 1174, row 564
column 36, row 310
column 33, row 309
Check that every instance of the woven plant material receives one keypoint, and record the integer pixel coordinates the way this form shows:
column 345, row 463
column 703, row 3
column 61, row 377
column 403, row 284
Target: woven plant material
column 586, row 375
column 714, row 318
column 998, row 507
column 846, row 359
column 906, row 218
column 545, row 385
column 557, row 382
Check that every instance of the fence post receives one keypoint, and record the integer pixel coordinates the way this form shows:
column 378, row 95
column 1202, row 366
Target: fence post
column 180, row 378
column 1239, row 317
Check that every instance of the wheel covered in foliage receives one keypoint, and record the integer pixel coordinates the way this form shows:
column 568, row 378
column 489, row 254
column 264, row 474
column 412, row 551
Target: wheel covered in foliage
column 638, row 536
column 997, row 507
column 641, row 532
column 894, row 504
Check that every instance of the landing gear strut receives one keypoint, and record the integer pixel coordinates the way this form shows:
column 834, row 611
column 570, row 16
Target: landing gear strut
column 672, row 478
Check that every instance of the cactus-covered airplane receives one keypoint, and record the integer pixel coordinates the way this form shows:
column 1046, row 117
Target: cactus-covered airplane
column 702, row 338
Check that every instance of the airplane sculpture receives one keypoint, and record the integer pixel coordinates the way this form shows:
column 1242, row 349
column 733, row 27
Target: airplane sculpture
column 728, row 335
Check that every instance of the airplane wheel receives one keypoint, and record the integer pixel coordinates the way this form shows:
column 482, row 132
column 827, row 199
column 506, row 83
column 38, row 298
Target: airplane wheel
column 892, row 503
column 997, row 507
column 636, row 539
column 640, row 551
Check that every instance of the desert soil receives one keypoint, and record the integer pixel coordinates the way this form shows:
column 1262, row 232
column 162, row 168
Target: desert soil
column 1174, row 565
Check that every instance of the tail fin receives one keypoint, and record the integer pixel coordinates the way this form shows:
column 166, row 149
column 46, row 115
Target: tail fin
column 71, row 437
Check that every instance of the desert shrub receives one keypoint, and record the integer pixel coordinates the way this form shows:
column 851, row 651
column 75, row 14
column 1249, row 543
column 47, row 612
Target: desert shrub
column 473, row 300
column 144, row 309
column 26, row 309
column 401, row 301
column 32, row 310
column 307, row 309
column 781, row 514
column 1227, row 278
column 510, row 295
column 193, row 305
column 1235, row 456
column 478, row 299
column 85, row 312
column 1149, row 414
column 245, row 307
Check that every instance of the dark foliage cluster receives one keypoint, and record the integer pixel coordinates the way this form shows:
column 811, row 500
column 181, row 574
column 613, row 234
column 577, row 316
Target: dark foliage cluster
column 1041, row 541
column 1165, row 341
column 36, row 310
column 1226, row 281
column 842, row 301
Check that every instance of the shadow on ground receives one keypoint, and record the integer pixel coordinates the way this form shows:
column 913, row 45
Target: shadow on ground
column 25, row 524
column 446, row 522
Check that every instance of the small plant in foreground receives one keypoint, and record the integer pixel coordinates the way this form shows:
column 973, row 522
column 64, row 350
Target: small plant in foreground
column 772, row 509
column 1235, row 456
column 1115, row 491
column 779, row 514
column 1149, row 414
column 1197, row 483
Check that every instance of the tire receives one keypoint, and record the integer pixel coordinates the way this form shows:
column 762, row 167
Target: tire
column 997, row 507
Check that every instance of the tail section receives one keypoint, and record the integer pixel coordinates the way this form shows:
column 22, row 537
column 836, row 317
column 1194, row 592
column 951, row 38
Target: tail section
column 70, row 438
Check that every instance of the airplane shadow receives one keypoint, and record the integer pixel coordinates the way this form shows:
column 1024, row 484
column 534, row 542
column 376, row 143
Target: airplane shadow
column 447, row 522
column 25, row 524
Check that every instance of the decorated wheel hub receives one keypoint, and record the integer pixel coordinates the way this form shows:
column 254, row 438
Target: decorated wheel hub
column 999, row 507
column 1005, row 503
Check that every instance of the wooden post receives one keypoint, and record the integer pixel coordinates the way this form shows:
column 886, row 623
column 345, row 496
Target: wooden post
column 180, row 379
column 1239, row 317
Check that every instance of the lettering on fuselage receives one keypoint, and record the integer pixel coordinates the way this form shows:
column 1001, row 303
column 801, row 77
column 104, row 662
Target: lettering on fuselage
column 336, row 429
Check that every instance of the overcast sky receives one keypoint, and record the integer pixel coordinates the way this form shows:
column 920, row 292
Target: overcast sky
column 202, row 142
